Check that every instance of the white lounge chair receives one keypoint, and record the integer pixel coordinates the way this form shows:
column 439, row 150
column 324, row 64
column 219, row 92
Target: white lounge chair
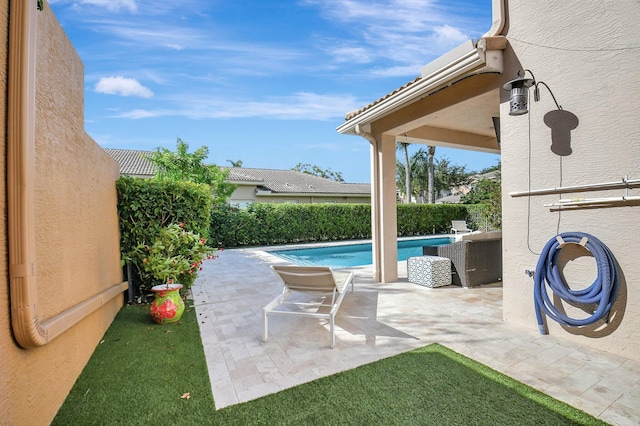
column 459, row 226
column 312, row 280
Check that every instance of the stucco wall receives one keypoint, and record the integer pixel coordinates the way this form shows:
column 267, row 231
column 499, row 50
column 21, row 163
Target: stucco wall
column 77, row 253
column 310, row 200
column 6, row 342
column 245, row 194
column 587, row 53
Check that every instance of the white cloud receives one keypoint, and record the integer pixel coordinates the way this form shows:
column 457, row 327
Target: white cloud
column 152, row 33
column 139, row 113
column 351, row 54
column 122, row 86
column 149, row 7
column 111, row 5
column 299, row 106
column 400, row 35
column 448, row 34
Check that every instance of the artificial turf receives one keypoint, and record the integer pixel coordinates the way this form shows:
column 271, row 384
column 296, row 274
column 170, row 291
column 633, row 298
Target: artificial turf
column 139, row 373
column 142, row 373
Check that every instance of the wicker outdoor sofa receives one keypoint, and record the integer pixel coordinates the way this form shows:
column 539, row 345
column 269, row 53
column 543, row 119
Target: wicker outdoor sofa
column 475, row 260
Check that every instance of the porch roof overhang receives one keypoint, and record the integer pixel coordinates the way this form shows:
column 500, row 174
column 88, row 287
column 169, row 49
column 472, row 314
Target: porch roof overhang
column 454, row 103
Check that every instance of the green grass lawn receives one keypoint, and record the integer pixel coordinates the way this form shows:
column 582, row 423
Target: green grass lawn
column 141, row 374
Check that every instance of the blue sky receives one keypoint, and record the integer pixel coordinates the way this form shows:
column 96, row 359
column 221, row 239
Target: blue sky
column 265, row 82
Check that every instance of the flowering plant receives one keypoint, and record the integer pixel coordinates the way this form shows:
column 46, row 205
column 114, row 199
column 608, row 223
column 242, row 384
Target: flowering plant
column 175, row 256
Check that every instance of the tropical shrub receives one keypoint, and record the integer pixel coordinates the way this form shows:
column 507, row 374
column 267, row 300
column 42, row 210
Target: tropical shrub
column 183, row 165
column 174, row 256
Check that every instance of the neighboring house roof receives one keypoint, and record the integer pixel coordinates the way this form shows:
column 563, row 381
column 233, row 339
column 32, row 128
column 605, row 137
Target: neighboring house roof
column 450, row 199
column 292, row 182
column 492, row 175
column 289, row 182
column 132, row 162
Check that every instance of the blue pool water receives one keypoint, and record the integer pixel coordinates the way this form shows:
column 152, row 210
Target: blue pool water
column 343, row 256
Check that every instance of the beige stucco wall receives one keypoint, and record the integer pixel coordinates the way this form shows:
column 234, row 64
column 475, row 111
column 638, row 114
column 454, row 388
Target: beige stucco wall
column 310, row 199
column 6, row 342
column 245, row 194
column 587, row 53
column 77, row 250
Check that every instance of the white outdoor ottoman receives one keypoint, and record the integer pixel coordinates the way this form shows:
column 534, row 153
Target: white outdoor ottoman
column 429, row 271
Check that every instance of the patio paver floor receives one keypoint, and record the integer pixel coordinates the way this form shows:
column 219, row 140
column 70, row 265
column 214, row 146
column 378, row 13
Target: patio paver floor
column 382, row 320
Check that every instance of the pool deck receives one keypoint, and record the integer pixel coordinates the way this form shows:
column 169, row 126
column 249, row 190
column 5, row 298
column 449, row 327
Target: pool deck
column 382, row 320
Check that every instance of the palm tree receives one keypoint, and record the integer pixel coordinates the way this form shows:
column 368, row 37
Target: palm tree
column 419, row 174
column 448, row 176
column 235, row 163
column 403, row 147
column 400, row 180
column 432, row 189
column 431, row 176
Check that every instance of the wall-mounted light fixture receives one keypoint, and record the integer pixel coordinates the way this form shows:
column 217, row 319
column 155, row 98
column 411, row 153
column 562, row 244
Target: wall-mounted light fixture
column 519, row 88
column 519, row 101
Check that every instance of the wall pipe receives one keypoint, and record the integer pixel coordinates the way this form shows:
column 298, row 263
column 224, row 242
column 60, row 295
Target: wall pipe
column 593, row 201
column 29, row 331
column 621, row 184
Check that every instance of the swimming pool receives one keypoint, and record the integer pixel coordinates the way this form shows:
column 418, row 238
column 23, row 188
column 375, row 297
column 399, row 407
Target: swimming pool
column 342, row 256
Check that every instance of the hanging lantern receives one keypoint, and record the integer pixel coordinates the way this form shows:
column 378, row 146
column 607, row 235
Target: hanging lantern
column 519, row 101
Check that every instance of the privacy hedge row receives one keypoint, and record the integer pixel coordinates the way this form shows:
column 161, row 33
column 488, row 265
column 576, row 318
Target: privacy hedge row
column 270, row 224
column 482, row 217
column 422, row 219
column 267, row 224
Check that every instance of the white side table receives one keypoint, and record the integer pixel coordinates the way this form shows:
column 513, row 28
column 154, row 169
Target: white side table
column 429, row 271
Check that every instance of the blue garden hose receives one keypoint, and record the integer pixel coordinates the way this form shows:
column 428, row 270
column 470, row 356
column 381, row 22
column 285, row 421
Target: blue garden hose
column 603, row 291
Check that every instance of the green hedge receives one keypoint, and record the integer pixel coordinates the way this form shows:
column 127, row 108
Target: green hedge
column 146, row 206
column 422, row 219
column 483, row 216
column 271, row 224
column 267, row 224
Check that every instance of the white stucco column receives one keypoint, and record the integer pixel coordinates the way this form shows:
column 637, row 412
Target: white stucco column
column 383, row 208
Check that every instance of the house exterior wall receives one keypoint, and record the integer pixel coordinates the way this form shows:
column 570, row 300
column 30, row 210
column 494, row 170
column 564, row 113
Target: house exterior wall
column 246, row 194
column 587, row 54
column 243, row 194
column 313, row 199
column 77, row 249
